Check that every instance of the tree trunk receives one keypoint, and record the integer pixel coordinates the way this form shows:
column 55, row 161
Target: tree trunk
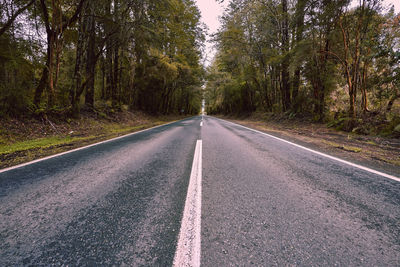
column 299, row 37
column 363, row 84
column 115, row 66
column 103, row 78
column 364, row 100
column 47, row 78
column 54, row 31
column 41, row 86
column 90, row 56
column 57, row 24
column 109, row 68
column 50, row 85
column 352, row 112
column 285, row 89
column 109, row 54
column 77, row 78
column 348, row 71
column 115, row 85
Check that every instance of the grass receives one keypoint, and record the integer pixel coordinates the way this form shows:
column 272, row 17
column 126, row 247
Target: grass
column 109, row 131
column 117, row 129
column 2, row 140
column 45, row 142
column 352, row 149
column 23, row 141
column 12, row 153
column 329, row 143
column 347, row 148
column 394, row 162
column 372, row 143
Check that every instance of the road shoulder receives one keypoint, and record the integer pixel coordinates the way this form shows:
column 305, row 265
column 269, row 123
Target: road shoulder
column 375, row 152
column 26, row 141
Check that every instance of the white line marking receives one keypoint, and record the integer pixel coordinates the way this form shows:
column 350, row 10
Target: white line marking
column 321, row 154
column 189, row 244
column 79, row 148
column 201, row 123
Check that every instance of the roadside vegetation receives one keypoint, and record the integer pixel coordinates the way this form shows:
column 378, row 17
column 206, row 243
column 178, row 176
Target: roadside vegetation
column 331, row 62
column 61, row 57
column 29, row 139
column 77, row 72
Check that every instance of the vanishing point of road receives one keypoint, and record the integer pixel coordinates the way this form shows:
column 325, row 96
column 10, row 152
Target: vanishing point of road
column 198, row 191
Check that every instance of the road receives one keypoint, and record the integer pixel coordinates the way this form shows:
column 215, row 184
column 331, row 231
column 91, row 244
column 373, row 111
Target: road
column 263, row 202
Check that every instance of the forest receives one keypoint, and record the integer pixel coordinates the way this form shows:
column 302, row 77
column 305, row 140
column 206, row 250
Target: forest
column 331, row 61
column 334, row 61
column 65, row 56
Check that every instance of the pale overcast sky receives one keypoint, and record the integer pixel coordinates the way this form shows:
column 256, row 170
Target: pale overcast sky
column 211, row 10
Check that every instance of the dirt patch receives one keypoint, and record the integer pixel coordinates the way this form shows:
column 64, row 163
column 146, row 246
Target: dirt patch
column 377, row 152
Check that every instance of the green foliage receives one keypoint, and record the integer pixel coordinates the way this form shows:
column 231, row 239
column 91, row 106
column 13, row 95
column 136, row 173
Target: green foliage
column 16, row 76
column 138, row 54
column 331, row 49
column 37, row 143
column 396, row 130
column 313, row 59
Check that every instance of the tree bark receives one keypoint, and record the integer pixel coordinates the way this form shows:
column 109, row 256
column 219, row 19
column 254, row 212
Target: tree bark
column 41, row 86
column 77, row 78
column 348, row 71
column 53, row 33
column 90, row 56
column 285, row 89
column 299, row 37
column 363, row 87
column 115, row 74
column 115, row 67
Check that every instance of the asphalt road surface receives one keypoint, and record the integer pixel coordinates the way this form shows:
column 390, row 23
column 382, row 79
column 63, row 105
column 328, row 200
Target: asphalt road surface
column 263, row 202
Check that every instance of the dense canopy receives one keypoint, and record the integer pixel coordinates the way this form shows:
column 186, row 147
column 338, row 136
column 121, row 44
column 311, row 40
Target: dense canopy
column 62, row 55
column 331, row 60
column 326, row 59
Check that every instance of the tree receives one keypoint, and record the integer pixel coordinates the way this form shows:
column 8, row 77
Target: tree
column 14, row 16
column 296, row 56
column 55, row 27
column 149, row 53
column 352, row 40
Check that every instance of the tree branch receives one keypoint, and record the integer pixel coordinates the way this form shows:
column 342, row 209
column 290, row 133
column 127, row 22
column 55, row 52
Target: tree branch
column 75, row 15
column 46, row 16
column 16, row 14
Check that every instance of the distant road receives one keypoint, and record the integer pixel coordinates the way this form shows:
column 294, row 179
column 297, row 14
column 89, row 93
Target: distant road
column 260, row 201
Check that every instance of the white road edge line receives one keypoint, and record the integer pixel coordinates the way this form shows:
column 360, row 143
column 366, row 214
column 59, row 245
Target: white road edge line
column 80, row 148
column 188, row 249
column 201, row 123
column 321, row 154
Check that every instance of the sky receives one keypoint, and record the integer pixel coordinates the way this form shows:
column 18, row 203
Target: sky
column 211, row 10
